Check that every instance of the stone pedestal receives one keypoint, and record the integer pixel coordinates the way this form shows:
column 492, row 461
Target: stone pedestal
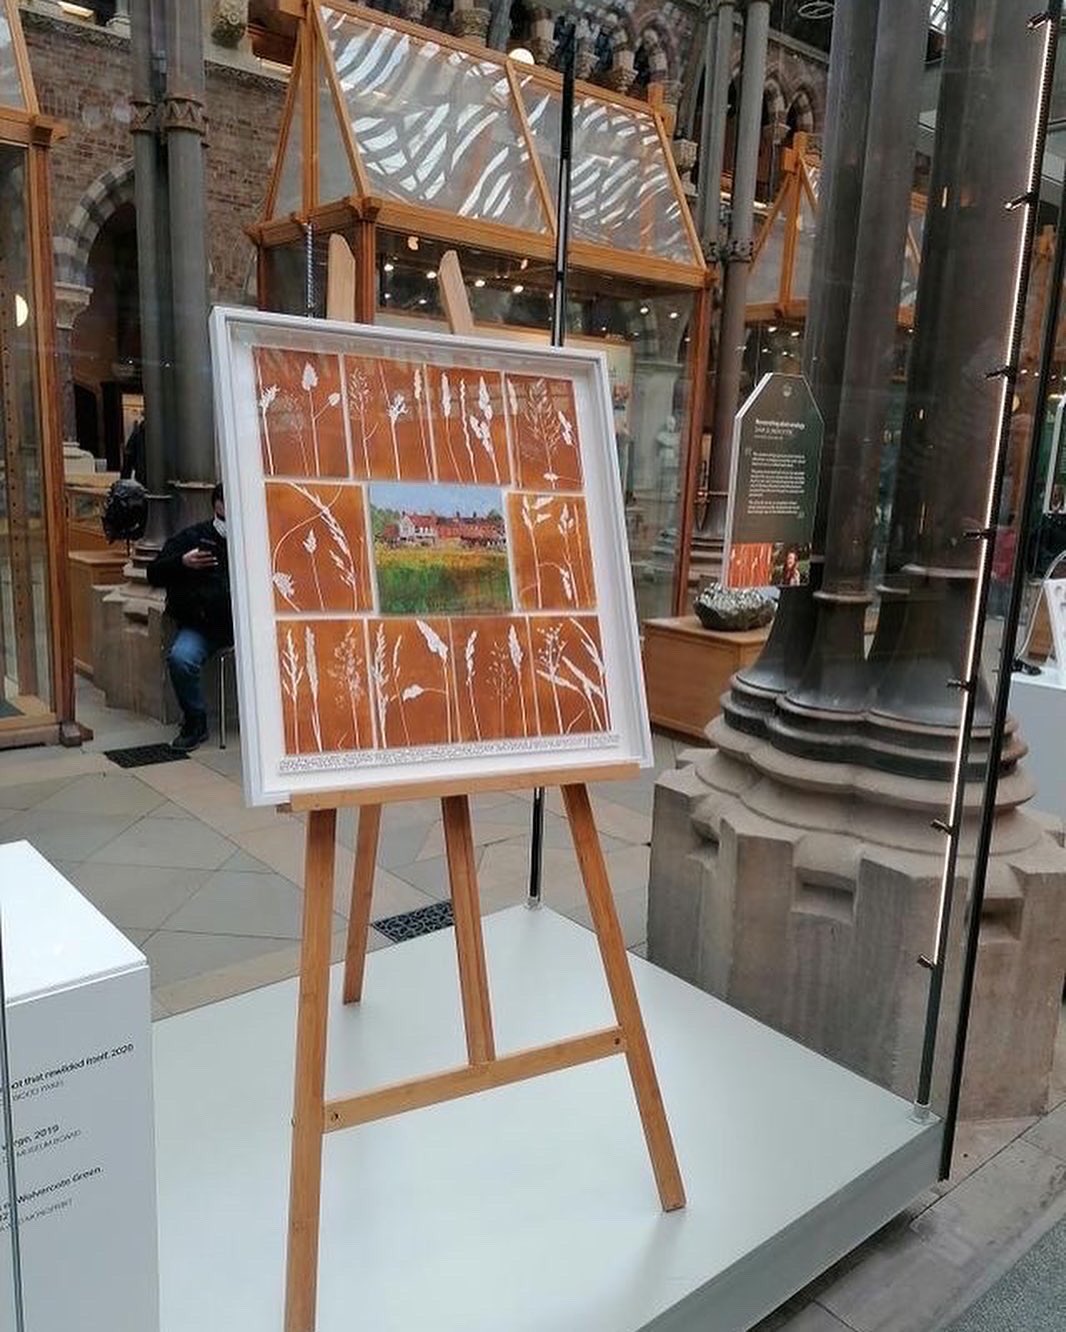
column 804, row 894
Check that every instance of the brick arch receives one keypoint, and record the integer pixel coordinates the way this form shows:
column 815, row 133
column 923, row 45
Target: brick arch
column 776, row 103
column 655, row 35
column 802, row 110
column 109, row 192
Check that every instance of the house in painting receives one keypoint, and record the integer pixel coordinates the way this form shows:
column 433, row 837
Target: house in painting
column 457, row 531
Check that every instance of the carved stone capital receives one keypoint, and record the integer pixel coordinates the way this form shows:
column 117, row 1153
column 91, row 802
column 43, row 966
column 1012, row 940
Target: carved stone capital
column 144, row 118
column 472, row 24
column 229, row 22
column 71, row 299
column 183, row 113
column 619, row 78
column 414, row 11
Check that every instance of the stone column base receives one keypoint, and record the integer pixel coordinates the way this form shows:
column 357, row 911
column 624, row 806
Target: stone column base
column 805, row 896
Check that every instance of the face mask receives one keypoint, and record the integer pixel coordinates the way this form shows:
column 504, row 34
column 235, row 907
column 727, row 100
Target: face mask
column 220, row 527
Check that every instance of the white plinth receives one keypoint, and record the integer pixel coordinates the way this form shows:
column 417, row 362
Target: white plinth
column 531, row 1208
column 1039, row 704
column 79, row 1021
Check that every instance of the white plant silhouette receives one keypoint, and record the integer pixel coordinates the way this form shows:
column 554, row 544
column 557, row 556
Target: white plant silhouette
column 446, row 408
column 559, row 669
column 395, row 407
column 471, row 671
column 533, row 516
column 439, row 648
column 340, row 550
column 291, row 678
column 310, row 544
column 421, row 414
column 266, row 401
column 515, row 650
column 347, row 673
column 360, row 395
column 311, row 657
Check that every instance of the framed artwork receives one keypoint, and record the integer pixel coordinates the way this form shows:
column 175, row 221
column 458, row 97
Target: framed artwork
column 428, row 557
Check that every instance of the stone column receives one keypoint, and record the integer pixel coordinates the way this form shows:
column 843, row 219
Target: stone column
column 71, row 300
column 184, row 127
column 470, row 20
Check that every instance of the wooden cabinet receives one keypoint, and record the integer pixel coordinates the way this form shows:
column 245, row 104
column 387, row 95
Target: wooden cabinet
column 687, row 669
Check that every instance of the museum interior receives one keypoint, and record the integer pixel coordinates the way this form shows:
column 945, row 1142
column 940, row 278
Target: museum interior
column 532, row 531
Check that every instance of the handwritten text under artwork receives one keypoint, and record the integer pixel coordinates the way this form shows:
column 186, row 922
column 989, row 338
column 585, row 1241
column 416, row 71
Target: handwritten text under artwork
column 318, row 547
column 544, row 422
column 301, row 420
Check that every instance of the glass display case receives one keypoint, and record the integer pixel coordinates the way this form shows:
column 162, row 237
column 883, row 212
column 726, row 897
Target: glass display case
column 410, row 143
column 36, row 701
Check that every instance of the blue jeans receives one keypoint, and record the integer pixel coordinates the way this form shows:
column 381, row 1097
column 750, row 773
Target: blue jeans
column 185, row 661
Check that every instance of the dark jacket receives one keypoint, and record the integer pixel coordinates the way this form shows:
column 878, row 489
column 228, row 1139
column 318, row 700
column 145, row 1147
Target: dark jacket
column 196, row 598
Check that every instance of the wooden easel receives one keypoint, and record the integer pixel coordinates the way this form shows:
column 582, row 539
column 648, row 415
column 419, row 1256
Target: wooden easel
column 313, row 1115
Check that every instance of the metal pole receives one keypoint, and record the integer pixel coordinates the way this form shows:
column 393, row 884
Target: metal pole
column 558, row 337
column 738, row 256
column 9, row 1139
column 1049, row 20
column 185, row 127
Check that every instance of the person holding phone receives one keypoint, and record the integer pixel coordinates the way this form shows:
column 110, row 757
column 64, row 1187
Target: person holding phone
column 193, row 567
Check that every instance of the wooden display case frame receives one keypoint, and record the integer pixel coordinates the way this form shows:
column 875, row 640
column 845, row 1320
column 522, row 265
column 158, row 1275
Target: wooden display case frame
column 26, row 128
column 360, row 214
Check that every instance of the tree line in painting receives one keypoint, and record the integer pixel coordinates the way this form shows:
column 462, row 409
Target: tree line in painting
column 397, row 683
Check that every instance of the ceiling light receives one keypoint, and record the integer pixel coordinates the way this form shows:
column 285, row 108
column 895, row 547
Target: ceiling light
column 412, row 242
column 479, row 282
column 422, row 300
column 389, row 267
column 771, row 328
column 795, row 333
column 523, row 55
column 523, row 265
column 22, row 310
column 518, row 289
column 431, row 273
column 673, row 314
column 644, row 309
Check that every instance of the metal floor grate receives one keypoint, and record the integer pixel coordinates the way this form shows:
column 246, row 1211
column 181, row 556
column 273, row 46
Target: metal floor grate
column 410, row 924
column 141, row 756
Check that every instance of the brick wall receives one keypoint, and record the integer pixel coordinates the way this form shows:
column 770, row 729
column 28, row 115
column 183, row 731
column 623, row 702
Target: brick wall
column 82, row 78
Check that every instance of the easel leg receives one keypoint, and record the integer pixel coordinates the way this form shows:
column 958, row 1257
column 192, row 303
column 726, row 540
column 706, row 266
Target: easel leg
column 624, row 996
column 469, row 941
column 366, row 855
column 301, row 1286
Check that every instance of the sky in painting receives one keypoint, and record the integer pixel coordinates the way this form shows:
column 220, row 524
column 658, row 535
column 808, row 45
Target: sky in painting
column 423, row 497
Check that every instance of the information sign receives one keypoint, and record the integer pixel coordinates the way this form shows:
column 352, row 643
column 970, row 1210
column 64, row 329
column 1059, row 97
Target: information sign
column 777, row 447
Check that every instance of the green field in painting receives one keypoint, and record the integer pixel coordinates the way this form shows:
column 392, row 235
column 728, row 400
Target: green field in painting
column 426, row 581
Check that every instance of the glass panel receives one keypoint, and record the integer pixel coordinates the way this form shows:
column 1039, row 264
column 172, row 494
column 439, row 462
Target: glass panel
column 10, row 84
column 290, row 182
column 433, row 126
column 764, row 280
column 335, row 180
column 24, row 646
column 623, row 193
column 644, row 331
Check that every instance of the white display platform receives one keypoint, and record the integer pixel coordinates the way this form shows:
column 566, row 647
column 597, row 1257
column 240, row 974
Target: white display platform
column 1038, row 702
column 531, row 1208
column 79, row 1032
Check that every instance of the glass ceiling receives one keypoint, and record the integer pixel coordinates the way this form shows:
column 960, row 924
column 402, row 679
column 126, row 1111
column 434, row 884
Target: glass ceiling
column 439, row 127
column 10, row 85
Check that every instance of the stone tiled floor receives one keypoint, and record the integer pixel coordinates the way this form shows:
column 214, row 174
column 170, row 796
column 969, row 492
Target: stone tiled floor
column 211, row 891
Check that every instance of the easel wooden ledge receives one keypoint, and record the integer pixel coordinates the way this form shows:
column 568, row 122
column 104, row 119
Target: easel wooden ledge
column 313, row 1115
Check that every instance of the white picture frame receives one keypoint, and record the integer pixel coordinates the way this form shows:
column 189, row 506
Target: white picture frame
column 603, row 731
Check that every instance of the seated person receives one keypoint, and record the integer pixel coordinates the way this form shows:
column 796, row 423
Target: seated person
column 193, row 568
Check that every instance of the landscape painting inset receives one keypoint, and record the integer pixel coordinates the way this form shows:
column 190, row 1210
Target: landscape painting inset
column 439, row 549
